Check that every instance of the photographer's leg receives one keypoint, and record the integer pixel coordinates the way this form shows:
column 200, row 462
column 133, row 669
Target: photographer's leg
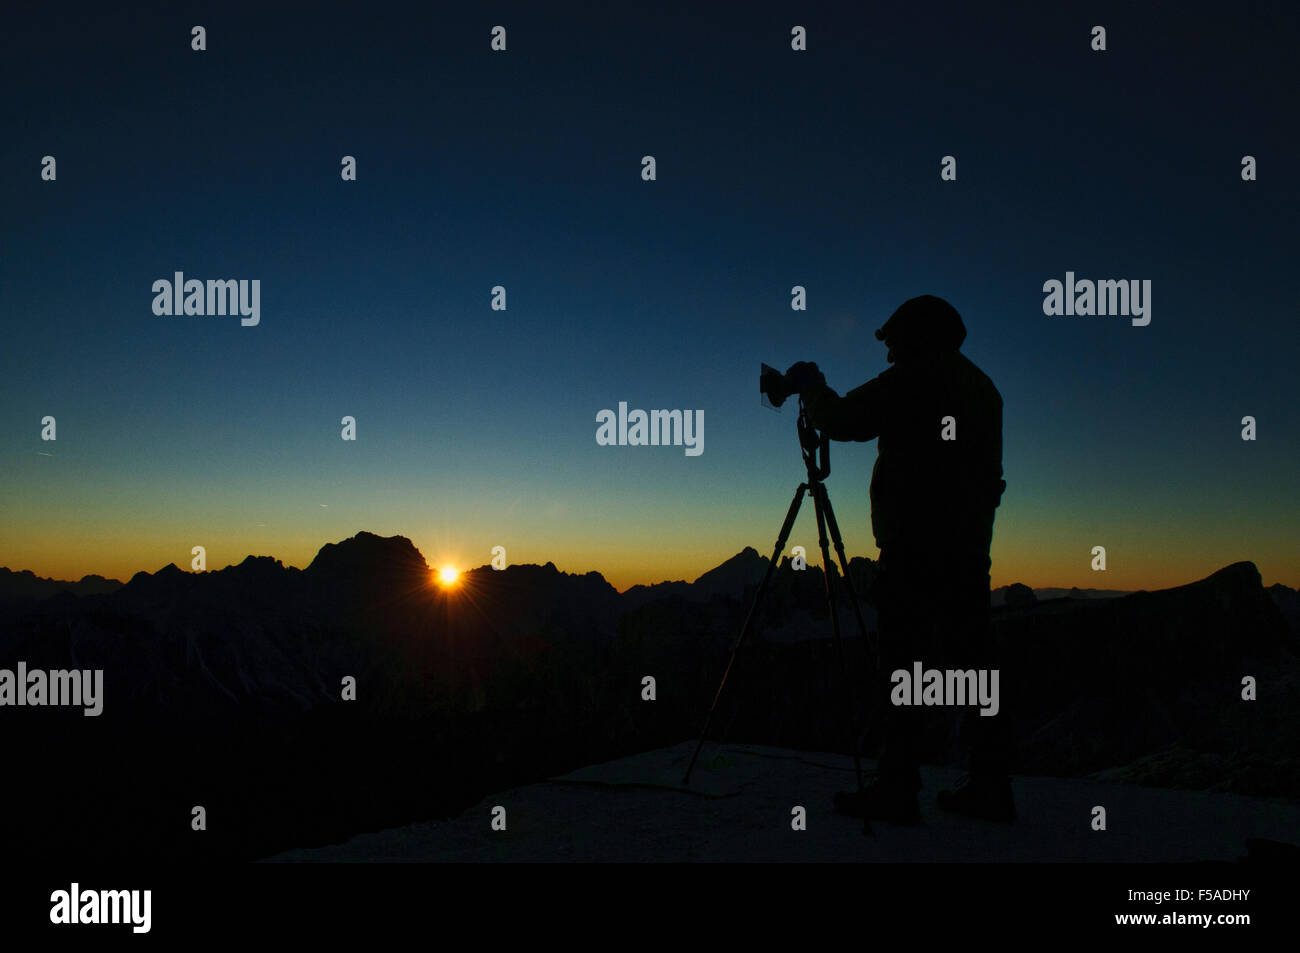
column 987, row 791
column 892, row 795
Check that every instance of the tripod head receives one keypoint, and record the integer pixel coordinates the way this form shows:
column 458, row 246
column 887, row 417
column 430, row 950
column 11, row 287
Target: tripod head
column 815, row 447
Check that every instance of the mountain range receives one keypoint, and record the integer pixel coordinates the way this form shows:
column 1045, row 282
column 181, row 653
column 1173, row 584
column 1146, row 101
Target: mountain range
column 226, row 689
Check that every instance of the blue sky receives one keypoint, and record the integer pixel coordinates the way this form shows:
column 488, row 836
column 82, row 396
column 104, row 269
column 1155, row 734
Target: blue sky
column 522, row 169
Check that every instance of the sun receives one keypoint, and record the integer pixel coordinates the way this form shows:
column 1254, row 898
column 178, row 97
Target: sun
column 448, row 575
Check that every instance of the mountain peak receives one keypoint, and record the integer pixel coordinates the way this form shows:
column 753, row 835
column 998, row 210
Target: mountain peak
column 1242, row 573
column 368, row 550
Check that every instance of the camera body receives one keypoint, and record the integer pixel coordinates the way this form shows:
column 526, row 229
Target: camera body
column 776, row 387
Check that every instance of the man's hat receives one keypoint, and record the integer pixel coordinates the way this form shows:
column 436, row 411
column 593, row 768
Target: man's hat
column 926, row 323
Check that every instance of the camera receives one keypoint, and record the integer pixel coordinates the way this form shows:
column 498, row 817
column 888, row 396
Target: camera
column 776, row 388
column 773, row 386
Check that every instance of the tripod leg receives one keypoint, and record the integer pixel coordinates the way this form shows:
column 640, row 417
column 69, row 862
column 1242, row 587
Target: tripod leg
column 868, row 641
column 821, row 501
column 873, row 652
column 790, row 516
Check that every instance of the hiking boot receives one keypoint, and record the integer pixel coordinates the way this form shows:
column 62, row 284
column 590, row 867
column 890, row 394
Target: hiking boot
column 989, row 798
column 881, row 800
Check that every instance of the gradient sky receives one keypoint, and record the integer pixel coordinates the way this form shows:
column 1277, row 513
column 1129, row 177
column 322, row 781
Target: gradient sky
column 477, row 428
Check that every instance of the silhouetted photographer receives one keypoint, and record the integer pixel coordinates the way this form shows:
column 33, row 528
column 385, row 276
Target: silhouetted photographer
column 936, row 484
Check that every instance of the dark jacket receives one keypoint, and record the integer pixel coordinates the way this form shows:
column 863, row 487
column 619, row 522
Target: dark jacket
column 927, row 493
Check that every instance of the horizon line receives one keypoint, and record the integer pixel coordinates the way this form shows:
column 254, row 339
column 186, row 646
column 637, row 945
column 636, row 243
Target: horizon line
column 558, row 568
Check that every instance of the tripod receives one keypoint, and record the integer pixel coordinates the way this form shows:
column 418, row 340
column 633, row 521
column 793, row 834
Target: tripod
column 815, row 448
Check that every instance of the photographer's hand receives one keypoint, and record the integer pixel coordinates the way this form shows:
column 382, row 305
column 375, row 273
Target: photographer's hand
column 804, row 376
column 857, row 415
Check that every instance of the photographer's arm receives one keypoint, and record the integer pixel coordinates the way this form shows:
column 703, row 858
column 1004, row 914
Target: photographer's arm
column 855, row 416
